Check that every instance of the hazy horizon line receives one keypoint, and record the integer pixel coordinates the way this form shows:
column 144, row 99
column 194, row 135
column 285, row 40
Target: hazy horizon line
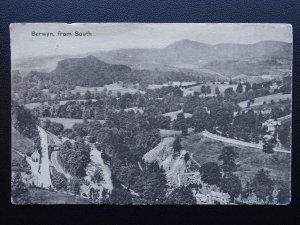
column 117, row 49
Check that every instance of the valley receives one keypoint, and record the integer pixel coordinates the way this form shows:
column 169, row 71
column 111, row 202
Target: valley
column 190, row 123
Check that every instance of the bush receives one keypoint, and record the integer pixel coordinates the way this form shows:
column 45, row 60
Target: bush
column 75, row 157
column 119, row 196
column 181, row 196
column 211, row 173
column 262, row 185
column 284, row 196
column 59, row 181
column 98, row 176
column 232, row 185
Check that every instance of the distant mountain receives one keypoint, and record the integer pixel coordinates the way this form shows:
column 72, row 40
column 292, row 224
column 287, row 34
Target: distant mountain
column 187, row 51
column 89, row 71
column 185, row 56
column 247, row 59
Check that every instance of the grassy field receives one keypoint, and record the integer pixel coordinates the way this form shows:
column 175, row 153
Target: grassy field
column 175, row 83
column 169, row 133
column 24, row 146
column 269, row 106
column 250, row 159
column 40, row 196
column 114, row 88
column 260, row 100
column 222, row 87
column 63, row 102
column 21, row 143
column 67, row 122
column 174, row 114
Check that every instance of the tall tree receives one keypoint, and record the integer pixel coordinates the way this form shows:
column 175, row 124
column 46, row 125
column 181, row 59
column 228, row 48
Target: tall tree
column 181, row 196
column 151, row 184
column 217, row 91
column 239, row 88
column 75, row 157
column 203, row 89
column 98, row 176
column 75, row 186
column 119, row 196
column 59, row 181
column 229, row 93
column 228, row 156
column 19, row 190
column 248, row 86
column 232, row 185
column 284, row 133
column 201, row 120
column 262, row 185
column 208, row 89
column 180, row 124
column 88, row 95
column 284, row 196
column 177, row 145
column 210, row 173
column 269, row 142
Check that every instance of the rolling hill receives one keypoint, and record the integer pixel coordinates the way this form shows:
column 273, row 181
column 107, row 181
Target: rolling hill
column 186, row 56
column 89, row 71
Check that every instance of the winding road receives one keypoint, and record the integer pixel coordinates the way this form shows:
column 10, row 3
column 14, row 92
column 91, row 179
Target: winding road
column 240, row 143
column 57, row 166
column 44, row 169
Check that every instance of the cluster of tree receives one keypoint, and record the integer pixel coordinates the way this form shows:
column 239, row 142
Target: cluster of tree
column 181, row 123
column 19, row 190
column 25, row 90
column 211, row 173
column 247, row 126
column 286, row 87
column 25, row 123
column 262, row 186
column 165, row 90
column 221, row 115
column 205, row 89
column 97, row 177
column 182, row 195
column 166, row 104
column 94, row 194
column 119, row 195
column 75, row 157
column 123, row 140
column 20, row 164
column 73, row 109
column 278, row 111
column 53, row 127
column 88, row 71
column 59, row 181
column 106, row 105
column 150, row 184
column 74, row 185
column 284, row 133
column 216, row 114
column 177, row 147
column 269, row 142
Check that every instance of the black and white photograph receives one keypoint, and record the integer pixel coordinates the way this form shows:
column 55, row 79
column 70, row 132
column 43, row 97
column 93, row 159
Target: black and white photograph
column 151, row 113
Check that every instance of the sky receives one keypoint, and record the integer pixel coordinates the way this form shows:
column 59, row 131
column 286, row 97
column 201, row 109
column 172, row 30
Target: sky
column 111, row 36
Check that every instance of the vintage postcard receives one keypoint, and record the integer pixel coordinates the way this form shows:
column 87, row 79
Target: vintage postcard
column 141, row 113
